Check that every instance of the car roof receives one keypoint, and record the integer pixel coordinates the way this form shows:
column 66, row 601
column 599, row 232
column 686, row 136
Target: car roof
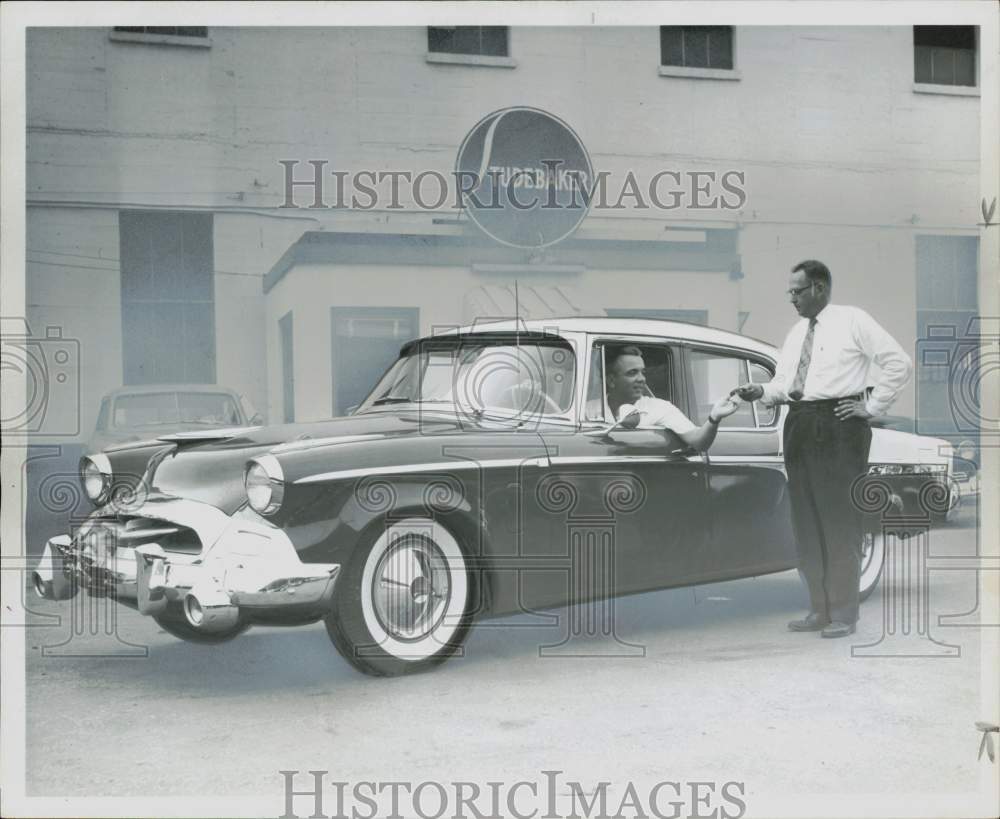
column 603, row 325
column 151, row 389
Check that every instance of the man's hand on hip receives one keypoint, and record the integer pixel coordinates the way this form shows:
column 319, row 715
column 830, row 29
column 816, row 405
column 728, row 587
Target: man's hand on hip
column 851, row 408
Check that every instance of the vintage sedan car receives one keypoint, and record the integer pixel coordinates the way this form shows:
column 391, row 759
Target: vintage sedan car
column 482, row 476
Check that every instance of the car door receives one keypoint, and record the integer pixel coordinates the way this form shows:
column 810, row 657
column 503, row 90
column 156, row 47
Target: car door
column 750, row 521
column 637, row 496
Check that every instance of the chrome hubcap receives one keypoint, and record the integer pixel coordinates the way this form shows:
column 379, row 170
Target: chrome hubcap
column 411, row 588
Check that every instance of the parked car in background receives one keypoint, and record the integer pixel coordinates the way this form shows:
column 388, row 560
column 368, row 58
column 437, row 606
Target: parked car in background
column 964, row 471
column 137, row 413
column 482, row 476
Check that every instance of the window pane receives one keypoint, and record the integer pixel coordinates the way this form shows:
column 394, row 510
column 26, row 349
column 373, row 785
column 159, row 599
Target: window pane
column 168, row 316
column 696, row 47
column 945, row 36
column 922, row 63
column 965, row 67
column 287, row 364
column 713, row 377
column 943, row 66
column 439, row 39
column 483, row 40
column 594, row 405
column 465, row 40
column 766, row 416
column 494, row 41
column 671, row 45
column 966, row 273
column 720, row 47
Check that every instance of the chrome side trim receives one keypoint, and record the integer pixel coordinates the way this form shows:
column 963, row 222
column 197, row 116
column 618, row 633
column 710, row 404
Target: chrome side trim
column 415, row 469
column 625, row 459
column 746, row 459
column 313, row 443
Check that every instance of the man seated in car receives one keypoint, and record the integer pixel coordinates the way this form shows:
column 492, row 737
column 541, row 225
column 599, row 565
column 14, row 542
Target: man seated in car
column 633, row 405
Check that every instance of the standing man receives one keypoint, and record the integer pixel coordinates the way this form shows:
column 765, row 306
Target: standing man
column 822, row 371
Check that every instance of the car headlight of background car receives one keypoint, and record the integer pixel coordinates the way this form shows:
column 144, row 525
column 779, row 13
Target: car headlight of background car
column 265, row 485
column 96, row 477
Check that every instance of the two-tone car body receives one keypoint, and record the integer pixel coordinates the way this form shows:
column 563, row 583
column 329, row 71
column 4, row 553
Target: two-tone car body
column 482, row 476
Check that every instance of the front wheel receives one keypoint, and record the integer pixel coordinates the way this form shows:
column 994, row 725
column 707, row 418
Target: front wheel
column 872, row 562
column 404, row 603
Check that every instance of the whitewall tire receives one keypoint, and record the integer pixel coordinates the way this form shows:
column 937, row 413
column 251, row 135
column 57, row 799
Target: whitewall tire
column 404, row 602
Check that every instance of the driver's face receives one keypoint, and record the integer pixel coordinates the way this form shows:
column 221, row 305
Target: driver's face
column 627, row 381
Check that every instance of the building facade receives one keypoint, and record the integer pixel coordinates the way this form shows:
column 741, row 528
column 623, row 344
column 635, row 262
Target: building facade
column 160, row 235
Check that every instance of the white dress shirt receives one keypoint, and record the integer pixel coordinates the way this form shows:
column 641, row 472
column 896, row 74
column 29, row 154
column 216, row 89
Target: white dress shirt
column 655, row 412
column 846, row 342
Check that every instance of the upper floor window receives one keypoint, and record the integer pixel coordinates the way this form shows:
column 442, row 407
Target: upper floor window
column 697, row 46
column 483, row 41
column 176, row 31
column 163, row 35
column 944, row 55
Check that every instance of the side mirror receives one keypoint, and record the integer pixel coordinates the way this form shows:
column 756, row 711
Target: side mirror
column 257, row 419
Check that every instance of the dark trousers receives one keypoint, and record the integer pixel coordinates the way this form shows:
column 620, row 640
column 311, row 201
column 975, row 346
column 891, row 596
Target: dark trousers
column 824, row 456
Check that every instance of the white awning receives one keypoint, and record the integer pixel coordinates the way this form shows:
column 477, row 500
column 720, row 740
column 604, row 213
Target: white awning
column 493, row 302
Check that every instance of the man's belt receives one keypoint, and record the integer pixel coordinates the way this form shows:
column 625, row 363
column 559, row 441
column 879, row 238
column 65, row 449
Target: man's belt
column 821, row 404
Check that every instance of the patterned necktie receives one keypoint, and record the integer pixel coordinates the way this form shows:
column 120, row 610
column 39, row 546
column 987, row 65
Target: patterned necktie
column 798, row 385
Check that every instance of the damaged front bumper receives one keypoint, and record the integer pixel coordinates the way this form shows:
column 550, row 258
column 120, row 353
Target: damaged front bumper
column 245, row 570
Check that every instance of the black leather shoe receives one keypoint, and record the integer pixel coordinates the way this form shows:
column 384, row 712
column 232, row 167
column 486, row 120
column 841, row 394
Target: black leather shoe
column 813, row 622
column 838, row 629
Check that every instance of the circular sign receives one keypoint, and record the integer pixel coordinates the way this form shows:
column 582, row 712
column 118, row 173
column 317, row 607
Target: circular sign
column 525, row 178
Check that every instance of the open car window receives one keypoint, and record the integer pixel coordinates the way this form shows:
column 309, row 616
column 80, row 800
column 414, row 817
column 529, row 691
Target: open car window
column 659, row 364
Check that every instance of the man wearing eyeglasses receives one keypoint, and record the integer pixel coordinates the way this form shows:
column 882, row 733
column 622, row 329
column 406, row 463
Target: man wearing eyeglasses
column 822, row 373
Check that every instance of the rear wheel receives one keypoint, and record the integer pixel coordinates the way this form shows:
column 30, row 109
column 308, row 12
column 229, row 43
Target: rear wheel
column 872, row 562
column 404, row 602
column 175, row 624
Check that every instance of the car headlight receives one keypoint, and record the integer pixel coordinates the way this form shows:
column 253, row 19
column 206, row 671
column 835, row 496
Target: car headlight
column 96, row 475
column 265, row 485
column 967, row 450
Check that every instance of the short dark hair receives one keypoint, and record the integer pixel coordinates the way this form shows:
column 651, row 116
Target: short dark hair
column 815, row 271
column 618, row 352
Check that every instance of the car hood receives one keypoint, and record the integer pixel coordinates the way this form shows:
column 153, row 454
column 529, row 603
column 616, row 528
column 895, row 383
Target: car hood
column 890, row 446
column 209, row 465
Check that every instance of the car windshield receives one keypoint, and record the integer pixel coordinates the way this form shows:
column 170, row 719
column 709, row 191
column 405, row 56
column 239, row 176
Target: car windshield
column 498, row 377
column 166, row 408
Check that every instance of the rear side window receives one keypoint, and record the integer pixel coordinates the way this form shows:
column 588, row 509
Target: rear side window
column 714, row 374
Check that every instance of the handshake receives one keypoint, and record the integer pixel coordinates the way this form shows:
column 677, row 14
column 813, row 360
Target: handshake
column 725, row 407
